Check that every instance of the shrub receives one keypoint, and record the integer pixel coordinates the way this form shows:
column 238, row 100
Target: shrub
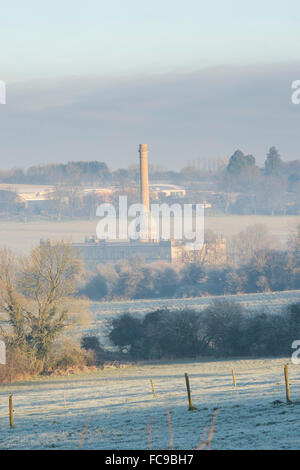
column 96, row 288
column 92, row 345
column 161, row 334
column 125, row 331
column 20, row 365
column 224, row 329
column 70, row 354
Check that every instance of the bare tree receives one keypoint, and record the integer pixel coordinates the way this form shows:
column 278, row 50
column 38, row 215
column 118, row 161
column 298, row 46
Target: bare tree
column 35, row 293
column 243, row 246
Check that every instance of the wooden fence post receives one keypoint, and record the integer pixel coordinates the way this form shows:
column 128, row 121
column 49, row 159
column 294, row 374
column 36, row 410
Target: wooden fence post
column 187, row 381
column 11, row 411
column 287, row 385
column 233, row 376
column 153, row 389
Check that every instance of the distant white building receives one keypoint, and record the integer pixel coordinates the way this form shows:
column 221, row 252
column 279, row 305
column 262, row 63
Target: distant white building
column 166, row 190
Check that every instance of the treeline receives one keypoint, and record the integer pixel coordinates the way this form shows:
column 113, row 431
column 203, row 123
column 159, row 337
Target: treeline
column 89, row 172
column 236, row 185
column 239, row 173
column 52, row 174
column 267, row 272
column 223, row 329
column 273, row 189
column 258, row 269
column 98, row 172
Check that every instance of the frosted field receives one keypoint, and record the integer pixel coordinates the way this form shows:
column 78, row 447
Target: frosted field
column 270, row 302
column 116, row 406
column 23, row 236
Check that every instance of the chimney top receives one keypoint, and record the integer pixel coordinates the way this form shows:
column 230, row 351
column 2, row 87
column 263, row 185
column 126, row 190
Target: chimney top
column 143, row 147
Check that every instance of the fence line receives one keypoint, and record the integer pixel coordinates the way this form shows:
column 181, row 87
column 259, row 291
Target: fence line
column 64, row 406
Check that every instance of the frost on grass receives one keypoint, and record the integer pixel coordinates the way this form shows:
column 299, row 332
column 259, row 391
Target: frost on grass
column 111, row 409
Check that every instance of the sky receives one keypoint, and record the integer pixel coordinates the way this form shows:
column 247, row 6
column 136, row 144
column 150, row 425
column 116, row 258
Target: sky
column 87, row 79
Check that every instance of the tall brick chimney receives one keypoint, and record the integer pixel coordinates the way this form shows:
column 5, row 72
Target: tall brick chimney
column 144, row 181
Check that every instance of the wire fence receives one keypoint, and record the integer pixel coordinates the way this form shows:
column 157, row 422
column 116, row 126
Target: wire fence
column 283, row 384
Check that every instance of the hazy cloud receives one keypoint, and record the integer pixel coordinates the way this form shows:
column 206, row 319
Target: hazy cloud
column 182, row 117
